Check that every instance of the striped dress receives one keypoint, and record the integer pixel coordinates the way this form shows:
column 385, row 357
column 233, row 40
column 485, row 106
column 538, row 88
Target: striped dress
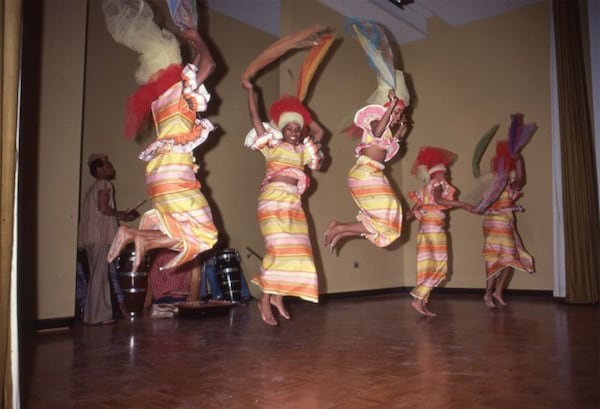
column 180, row 210
column 379, row 208
column 288, row 267
column 432, row 248
column 502, row 245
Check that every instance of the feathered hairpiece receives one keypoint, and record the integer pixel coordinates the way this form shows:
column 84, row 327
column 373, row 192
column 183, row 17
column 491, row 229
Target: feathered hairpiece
column 309, row 37
column 131, row 23
column 310, row 65
column 519, row 133
column 285, row 105
column 480, row 148
column 184, row 14
column 502, row 162
column 431, row 159
column 319, row 44
column 376, row 46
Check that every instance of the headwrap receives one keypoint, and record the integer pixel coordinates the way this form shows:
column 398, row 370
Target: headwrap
column 289, row 109
column 430, row 160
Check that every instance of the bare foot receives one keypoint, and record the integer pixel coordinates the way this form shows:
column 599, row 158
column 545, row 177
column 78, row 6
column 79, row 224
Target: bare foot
column 418, row 305
column 488, row 300
column 121, row 239
column 264, row 307
column 498, row 297
column 429, row 313
column 140, row 252
column 277, row 301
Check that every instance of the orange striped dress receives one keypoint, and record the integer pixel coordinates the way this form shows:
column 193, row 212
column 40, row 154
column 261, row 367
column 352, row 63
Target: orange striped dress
column 502, row 246
column 432, row 248
column 379, row 208
column 288, row 267
column 180, row 210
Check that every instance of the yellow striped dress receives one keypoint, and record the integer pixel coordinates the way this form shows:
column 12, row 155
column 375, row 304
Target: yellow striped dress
column 288, row 267
column 502, row 246
column 180, row 210
column 379, row 208
column 432, row 248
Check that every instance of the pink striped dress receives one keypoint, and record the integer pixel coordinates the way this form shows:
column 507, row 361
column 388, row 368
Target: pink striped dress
column 379, row 208
column 180, row 210
column 288, row 267
column 432, row 248
column 502, row 246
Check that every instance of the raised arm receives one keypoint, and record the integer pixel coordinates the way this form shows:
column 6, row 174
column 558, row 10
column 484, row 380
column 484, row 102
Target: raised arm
column 203, row 58
column 378, row 127
column 402, row 128
column 252, row 110
column 316, row 131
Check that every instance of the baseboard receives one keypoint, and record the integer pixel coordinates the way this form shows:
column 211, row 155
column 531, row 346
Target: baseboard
column 65, row 323
column 438, row 290
column 54, row 324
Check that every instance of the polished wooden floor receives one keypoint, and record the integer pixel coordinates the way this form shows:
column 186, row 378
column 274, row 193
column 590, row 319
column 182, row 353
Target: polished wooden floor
column 362, row 352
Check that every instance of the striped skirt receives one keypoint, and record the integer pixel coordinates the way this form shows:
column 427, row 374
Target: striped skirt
column 502, row 245
column 288, row 267
column 432, row 254
column 180, row 209
column 380, row 211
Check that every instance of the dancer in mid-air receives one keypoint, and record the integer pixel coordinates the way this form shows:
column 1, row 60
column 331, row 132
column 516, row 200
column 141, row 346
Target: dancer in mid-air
column 174, row 95
column 289, row 142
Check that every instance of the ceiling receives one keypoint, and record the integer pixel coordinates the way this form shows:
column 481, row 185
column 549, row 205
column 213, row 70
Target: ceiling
column 405, row 24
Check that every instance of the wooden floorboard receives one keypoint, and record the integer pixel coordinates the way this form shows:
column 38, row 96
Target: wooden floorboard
column 345, row 353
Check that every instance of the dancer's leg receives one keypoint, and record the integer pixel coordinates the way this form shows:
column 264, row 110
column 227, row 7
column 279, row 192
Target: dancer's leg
column 264, row 307
column 124, row 236
column 146, row 240
column 418, row 305
column 489, row 288
column 337, row 231
column 277, row 301
column 502, row 282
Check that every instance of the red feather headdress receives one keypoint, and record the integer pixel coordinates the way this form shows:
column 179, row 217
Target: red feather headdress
column 430, row 159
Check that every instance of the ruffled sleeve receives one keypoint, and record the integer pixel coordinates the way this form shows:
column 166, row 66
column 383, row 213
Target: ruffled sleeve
column 271, row 138
column 313, row 156
column 386, row 141
column 195, row 94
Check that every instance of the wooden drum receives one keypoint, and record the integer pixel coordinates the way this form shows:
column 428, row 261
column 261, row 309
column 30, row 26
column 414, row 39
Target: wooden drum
column 229, row 274
column 133, row 283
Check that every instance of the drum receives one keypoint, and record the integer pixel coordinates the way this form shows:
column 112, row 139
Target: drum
column 229, row 274
column 133, row 283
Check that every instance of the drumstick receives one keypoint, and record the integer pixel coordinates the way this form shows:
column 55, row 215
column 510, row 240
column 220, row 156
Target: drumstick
column 138, row 206
column 253, row 253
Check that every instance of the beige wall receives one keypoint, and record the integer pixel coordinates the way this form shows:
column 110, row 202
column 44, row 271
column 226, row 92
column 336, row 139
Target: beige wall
column 60, row 124
column 230, row 174
column 465, row 79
